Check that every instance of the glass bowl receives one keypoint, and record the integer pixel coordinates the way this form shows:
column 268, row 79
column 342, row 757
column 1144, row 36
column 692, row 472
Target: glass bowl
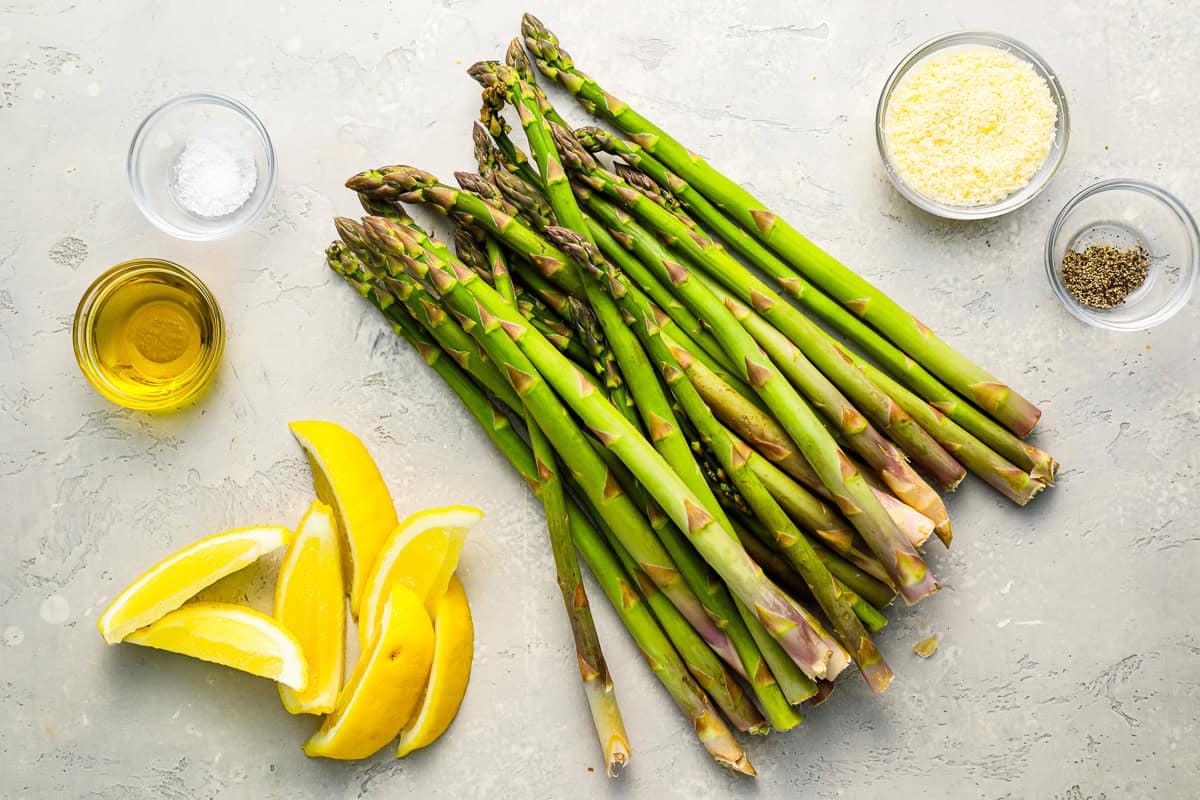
column 115, row 358
column 1127, row 213
column 1040, row 179
column 156, row 147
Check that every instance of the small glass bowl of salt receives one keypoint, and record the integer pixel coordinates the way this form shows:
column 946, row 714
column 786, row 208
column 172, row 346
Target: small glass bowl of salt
column 201, row 167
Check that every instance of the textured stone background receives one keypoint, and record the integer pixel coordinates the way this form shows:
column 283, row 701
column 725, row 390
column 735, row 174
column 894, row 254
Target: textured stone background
column 1069, row 665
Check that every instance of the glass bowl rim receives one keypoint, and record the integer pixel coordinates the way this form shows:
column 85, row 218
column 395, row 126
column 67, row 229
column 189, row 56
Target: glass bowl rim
column 1018, row 198
column 132, row 170
column 1181, row 294
column 83, row 342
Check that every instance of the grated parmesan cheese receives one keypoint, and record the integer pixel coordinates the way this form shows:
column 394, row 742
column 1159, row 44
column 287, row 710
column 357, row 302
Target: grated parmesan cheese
column 968, row 126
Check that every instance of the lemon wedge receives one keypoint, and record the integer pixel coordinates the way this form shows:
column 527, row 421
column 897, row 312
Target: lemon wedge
column 453, row 644
column 422, row 553
column 347, row 479
column 172, row 581
column 234, row 636
column 385, row 686
column 309, row 602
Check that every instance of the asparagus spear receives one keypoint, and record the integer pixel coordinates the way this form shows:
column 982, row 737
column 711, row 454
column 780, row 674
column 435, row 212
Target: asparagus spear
column 665, row 663
column 597, row 681
column 851, row 290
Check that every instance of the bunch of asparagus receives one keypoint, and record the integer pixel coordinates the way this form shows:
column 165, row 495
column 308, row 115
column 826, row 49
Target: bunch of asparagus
column 749, row 491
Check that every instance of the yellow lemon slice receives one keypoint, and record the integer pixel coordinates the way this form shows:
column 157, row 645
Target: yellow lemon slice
column 453, row 646
column 234, row 636
column 385, row 686
column 346, row 478
column 169, row 583
column 309, row 602
column 422, row 553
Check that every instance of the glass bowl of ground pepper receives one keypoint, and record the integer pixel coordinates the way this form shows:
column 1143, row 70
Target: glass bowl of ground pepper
column 1123, row 255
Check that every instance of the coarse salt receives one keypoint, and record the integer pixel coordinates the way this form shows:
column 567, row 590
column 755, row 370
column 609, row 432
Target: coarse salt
column 215, row 173
column 969, row 126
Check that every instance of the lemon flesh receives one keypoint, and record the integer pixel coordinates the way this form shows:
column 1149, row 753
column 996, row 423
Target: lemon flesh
column 346, row 479
column 234, row 636
column 453, row 646
column 171, row 582
column 422, row 553
column 385, row 686
column 309, row 602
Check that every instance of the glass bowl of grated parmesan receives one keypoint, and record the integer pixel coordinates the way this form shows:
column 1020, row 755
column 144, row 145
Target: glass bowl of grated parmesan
column 201, row 167
column 972, row 125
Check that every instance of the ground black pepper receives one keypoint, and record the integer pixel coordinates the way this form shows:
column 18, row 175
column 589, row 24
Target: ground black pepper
column 1102, row 276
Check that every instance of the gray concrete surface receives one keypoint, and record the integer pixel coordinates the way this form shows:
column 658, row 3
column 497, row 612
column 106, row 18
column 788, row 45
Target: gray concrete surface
column 1069, row 665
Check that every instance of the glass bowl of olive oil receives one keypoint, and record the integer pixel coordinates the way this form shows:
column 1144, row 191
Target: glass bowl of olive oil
column 148, row 334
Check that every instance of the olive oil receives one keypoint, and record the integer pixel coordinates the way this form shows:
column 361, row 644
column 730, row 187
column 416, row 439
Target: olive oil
column 148, row 334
